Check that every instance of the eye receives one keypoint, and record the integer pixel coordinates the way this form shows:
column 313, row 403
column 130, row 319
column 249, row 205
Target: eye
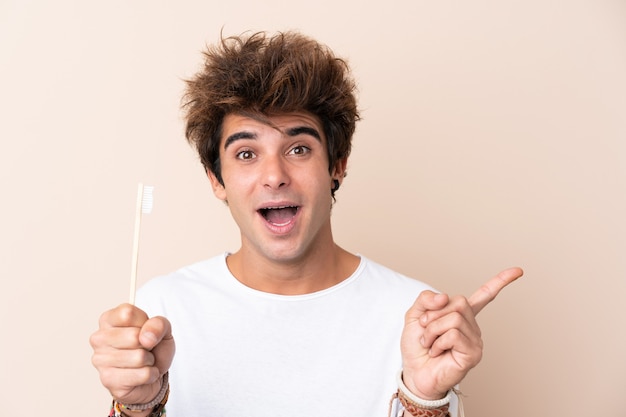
column 245, row 155
column 300, row 150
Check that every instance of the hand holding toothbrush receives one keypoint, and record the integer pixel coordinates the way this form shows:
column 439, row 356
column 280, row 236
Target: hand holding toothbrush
column 132, row 353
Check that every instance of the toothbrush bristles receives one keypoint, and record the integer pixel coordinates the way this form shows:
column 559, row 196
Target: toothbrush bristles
column 147, row 199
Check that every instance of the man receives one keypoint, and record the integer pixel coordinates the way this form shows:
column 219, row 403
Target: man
column 291, row 323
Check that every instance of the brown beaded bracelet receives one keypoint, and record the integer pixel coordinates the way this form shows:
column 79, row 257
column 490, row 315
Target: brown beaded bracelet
column 158, row 404
column 418, row 407
column 157, row 411
column 417, row 410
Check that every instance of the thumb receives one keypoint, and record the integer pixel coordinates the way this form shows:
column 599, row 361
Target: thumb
column 156, row 336
column 153, row 331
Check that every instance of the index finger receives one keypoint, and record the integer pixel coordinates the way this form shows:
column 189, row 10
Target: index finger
column 488, row 292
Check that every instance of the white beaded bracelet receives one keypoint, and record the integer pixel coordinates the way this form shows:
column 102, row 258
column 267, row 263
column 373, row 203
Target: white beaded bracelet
column 427, row 404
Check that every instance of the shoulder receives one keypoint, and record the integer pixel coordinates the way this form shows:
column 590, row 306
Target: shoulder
column 384, row 293
column 191, row 279
column 391, row 281
column 198, row 271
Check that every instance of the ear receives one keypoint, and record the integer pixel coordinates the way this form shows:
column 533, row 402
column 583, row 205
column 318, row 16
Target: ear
column 339, row 170
column 218, row 189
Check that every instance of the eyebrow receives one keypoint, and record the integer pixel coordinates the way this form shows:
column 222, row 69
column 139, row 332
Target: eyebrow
column 304, row 130
column 293, row 131
column 237, row 136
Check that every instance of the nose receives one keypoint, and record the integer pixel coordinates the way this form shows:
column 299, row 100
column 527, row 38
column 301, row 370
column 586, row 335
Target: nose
column 275, row 172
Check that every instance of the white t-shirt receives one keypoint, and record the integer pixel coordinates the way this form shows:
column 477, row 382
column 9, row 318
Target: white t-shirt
column 245, row 353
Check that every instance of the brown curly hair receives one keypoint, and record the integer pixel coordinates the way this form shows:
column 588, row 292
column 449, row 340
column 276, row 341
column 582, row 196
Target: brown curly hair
column 258, row 76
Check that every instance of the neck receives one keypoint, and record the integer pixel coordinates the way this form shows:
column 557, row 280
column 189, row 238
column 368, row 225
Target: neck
column 323, row 268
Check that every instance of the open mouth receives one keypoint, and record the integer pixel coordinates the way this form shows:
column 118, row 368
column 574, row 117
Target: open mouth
column 279, row 216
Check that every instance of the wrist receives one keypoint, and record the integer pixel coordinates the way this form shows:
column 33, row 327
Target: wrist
column 406, row 383
column 415, row 406
column 154, row 408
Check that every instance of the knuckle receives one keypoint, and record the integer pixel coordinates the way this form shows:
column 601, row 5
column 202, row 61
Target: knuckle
column 125, row 313
column 460, row 302
column 453, row 336
column 478, row 355
column 107, row 377
column 132, row 334
column 95, row 340
column 456, row 320
column 97, row 361
column 144, row 358
column 486, row 290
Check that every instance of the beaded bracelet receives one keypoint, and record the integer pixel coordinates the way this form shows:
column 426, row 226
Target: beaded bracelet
column 417, row 410
column 159, row 411
column 417, row 406
column 425, row 404
column 157, row 405
column 165, row 387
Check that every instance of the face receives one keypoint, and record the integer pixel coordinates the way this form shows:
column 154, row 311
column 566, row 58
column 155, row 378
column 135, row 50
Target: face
column 277, row 184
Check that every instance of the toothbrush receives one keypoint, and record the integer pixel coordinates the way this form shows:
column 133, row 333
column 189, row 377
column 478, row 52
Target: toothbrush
column 144, row 206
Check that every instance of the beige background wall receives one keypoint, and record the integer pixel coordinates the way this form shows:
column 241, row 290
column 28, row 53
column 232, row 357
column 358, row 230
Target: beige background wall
column 494, row 134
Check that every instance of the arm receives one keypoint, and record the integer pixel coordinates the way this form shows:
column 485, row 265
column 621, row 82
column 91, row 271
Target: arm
column 132, row 353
